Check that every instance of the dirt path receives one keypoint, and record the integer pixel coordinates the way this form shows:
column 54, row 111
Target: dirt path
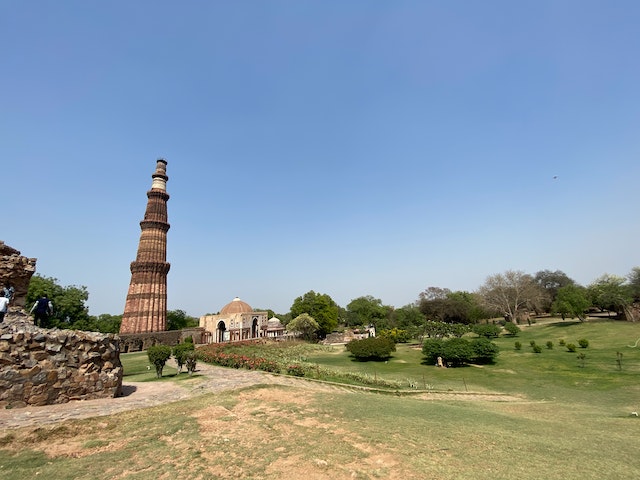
column 213, row 379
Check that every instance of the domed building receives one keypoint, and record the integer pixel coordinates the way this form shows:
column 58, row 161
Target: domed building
column 236, row 321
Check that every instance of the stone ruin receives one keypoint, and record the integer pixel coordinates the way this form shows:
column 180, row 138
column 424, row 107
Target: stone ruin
column 40, row 366
column 16, row 270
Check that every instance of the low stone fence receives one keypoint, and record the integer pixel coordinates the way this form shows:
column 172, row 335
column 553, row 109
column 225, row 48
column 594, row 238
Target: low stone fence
column 137, row 342
column 40, row 366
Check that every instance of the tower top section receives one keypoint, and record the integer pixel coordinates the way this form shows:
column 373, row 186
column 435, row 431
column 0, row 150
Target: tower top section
column 160, row 176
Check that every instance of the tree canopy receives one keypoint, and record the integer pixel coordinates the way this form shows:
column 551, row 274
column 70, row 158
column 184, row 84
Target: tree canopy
column 367, row 310
column 68, row 302
column 511, row 293
column 319, row 306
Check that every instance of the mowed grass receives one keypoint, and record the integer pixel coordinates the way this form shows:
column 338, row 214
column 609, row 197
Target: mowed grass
column 571, row 422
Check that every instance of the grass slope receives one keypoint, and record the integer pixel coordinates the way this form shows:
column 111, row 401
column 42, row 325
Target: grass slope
column 573, row 422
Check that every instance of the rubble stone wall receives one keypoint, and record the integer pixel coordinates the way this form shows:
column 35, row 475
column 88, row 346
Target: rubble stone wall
column 41, row 366
column 16, row 270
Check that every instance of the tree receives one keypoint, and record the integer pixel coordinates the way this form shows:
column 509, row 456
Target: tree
column 68, row 302
column 511, row 294
column 441, row 304
column 550, row 282
column 367, row 310
column 432, row 303
column 178, row 319
column 158, row 356
column 610, row 293
column 571, row 301
column 103, row 323
column 305, row 324
column 633, row 279
column 319, row 306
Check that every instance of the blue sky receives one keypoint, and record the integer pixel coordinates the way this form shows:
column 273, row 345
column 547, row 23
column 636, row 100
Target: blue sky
column 351, row 148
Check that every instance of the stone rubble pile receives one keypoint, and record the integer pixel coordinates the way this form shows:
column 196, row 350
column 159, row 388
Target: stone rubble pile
column 16, row 270
column 40, row 366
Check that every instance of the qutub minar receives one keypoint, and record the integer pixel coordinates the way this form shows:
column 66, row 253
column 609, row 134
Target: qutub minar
column 146, row 307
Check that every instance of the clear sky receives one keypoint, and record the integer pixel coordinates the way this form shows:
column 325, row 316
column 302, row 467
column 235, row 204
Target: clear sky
column 347, row 147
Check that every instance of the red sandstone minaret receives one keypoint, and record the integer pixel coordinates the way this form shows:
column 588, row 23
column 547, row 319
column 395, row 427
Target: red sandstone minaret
column 146, row 307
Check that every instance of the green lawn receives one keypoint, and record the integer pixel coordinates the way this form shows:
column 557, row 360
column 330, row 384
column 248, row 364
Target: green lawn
column 570, row 422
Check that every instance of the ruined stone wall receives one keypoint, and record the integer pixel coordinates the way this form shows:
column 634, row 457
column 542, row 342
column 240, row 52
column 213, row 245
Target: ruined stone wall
column 137, row 342
column 41, row 366
column 16, row 270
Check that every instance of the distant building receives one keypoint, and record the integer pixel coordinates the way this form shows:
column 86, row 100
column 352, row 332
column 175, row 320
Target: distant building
column 238, row 321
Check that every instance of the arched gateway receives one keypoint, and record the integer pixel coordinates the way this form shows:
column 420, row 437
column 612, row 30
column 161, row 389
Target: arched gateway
column 236, row 321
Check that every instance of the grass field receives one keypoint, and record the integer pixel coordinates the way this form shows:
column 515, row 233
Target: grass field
column 569, row 422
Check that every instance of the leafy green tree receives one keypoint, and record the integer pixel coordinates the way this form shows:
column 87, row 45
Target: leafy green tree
column 158, row 356
column 306, row 325
column 550, row 282
column 407, row 316
column 571, row 301
column 443, row 305
column 610, row 293
column 178, row 319
column 511, row 329
column 68, row 302
column 181, row 353
column 103, row 323
column 367, row 310
column 320, row 307
column 433, row 303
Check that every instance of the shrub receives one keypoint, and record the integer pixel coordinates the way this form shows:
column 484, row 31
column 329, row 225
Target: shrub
column 518, row 346
column 458, row 351
column 561, row 342
column 550, row 345
column 432, row 348
column 191, row 360
column 583, row 342
column 395, row 334
column 511, row 328
column 487, row 331
column 188, row 339
column 296, row 370
column 158, row 356
column 373, row 348
column 485, row 351
column 180, row 353
column 532, row 343
column 581, row 358
column 571, row 347
column 537, row 349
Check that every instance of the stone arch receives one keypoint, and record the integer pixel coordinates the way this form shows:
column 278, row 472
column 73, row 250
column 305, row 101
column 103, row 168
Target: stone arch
column 220, row 331
column 254, row 328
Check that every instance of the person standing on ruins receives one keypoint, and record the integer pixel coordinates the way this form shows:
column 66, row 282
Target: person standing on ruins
column 4, row 306
column 41, row 311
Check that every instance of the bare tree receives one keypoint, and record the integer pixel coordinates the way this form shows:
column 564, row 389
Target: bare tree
column 512, row 293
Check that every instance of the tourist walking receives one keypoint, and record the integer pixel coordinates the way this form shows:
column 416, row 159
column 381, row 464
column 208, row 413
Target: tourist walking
column 41, row 310
column 4, row 306
column 8, row 292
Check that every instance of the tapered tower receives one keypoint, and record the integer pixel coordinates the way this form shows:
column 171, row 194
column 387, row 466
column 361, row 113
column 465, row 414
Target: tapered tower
column 146, row 307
